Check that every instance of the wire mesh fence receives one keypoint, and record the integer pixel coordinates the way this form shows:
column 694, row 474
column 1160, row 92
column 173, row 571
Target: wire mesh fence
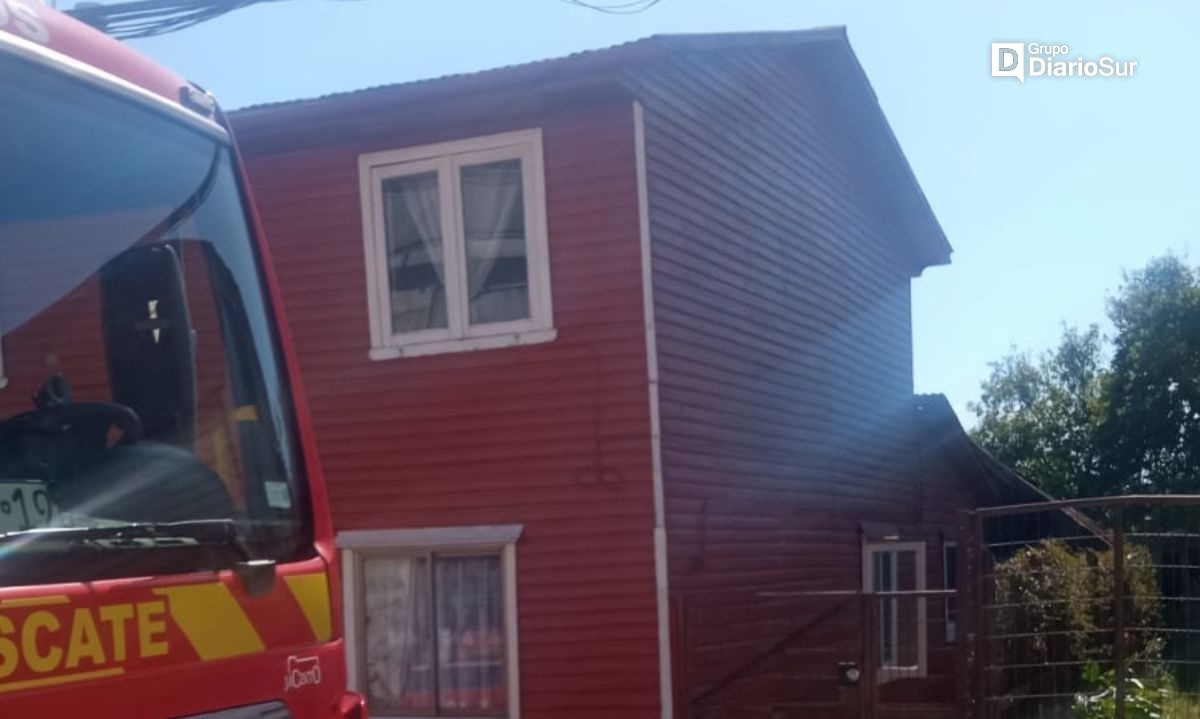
column 1084, row 610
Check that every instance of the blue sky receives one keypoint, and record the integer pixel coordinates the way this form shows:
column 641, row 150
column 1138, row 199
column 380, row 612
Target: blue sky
column 1047, row 190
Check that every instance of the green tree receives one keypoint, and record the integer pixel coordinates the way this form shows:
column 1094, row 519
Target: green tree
column 1040, row 414
column 1111, row 415
column 1150, row 432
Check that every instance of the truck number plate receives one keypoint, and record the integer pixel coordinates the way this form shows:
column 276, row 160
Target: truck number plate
column 24, row 505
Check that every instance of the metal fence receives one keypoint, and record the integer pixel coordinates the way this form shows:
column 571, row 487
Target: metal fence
column 1083, row 609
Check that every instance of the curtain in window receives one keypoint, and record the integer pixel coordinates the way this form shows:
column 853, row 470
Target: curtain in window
column 397, row 634
column 494, row 233
column 416, row 260
column 470, row 634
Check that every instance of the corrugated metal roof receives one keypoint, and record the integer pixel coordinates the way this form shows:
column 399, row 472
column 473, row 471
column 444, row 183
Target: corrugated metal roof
column 587, row 60
column 1008, row 485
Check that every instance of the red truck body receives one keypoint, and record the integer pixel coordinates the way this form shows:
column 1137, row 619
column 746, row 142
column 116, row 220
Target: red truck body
column 253, row 638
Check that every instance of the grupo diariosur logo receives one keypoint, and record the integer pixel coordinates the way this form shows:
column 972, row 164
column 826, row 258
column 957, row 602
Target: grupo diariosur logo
column 1052, row 60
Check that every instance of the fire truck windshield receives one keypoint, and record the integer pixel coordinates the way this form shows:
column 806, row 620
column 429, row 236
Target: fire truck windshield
column 140, row 377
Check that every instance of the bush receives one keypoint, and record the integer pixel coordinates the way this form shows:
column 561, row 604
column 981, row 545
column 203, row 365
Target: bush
column 1063, row 600
column 1055, row 609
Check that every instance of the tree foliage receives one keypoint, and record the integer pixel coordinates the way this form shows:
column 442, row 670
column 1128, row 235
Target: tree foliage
column 1107, row 415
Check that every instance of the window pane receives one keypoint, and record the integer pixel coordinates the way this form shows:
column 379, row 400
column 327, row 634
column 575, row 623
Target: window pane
column 416, row 262
column 398, row 635
column 884, row 578
column 951, row 566
column 887, row 632
column 494, row 231
column 885, row 571
column 470, row 635
column 907, row 610
column 950, row 573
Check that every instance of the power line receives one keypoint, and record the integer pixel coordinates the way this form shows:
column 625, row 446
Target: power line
column 146, row 18
column 629, row 7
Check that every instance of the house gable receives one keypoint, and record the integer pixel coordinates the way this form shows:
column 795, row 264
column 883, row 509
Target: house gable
column 597, row 77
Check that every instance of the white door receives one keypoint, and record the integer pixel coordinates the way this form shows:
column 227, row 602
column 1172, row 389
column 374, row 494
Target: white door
column 895, row 571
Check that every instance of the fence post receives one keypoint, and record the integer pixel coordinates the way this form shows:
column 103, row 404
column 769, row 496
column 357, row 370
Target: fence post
column 1119, row 659
column 979, row 683
column 681, row 659
column 870, row 654
column 964, row 640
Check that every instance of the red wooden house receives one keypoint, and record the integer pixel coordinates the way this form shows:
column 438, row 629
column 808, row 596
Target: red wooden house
column 605, row 354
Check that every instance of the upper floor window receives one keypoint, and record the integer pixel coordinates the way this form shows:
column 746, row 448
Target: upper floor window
column 455, row 239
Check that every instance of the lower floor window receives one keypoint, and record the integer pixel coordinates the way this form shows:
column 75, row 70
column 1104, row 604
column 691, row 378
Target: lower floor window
column 433, row 631
column 896, row 573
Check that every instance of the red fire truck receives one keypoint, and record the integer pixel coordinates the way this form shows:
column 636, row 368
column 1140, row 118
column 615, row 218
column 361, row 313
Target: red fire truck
column 165, row 541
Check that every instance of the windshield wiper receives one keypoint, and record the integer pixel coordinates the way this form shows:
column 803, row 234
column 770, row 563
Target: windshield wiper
column 224, row 532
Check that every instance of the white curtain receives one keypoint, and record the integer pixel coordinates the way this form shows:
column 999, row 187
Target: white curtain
column 493, row 225
column 399, row 631
column 413, row 206
column 470, row 633
column 421, row 201
column 397, row 634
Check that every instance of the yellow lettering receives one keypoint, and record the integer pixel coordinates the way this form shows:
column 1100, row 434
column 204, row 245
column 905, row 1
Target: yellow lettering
column 115, row 615
column 151, row 628
column 35, row 623
column 8, row 648
column 85, row 640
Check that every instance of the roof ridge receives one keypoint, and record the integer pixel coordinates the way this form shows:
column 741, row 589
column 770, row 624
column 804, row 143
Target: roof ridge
column 620, row 52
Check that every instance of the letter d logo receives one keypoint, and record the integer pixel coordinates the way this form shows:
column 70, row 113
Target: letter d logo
column 1008, row 60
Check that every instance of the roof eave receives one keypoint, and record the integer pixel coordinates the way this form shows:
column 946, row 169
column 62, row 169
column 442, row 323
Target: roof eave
column 919, row 223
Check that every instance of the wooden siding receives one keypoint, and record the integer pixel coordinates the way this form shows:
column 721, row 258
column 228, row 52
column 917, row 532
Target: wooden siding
column 782, row 310
column 782, row 302
column 554, row 436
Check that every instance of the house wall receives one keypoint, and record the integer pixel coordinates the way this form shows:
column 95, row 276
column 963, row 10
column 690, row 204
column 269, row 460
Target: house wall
column 782, row 310
column 554, row 437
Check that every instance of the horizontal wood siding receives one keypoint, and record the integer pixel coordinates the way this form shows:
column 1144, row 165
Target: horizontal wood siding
column 554, row 436
column 782, row 309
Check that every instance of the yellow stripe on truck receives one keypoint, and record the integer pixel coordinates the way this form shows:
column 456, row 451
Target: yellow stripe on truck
column 312, row 594
column 212, row 620
column 35, row 601
column 61, row 679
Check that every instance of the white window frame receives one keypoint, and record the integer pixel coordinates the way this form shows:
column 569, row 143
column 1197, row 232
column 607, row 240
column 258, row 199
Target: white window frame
column 888, row 673
column 446, row 158
column 951, row 624
column 356, row 545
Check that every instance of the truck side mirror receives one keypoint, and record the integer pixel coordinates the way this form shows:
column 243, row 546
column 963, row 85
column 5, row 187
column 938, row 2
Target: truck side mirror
column 149, row 343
